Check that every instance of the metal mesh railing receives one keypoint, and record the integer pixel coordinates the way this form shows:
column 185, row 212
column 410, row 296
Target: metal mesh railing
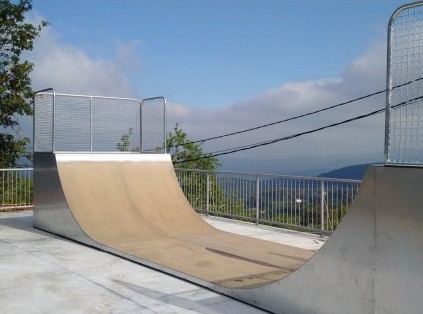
column 16, row 188
column 43, row 122
column 153, row 121
column 404, row 123
column 306, row 203
column 64, row 122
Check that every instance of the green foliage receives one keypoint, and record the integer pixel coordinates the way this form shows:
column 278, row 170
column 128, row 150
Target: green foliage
column 16, row 37
column 125, row 143
column 188, row 155
column 182, row 150
column 12, row 149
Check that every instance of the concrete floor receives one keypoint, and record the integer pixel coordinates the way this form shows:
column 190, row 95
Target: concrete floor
column 43, row 273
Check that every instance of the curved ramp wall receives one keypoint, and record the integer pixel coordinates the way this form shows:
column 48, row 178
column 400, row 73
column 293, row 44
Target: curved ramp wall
column 131, row 205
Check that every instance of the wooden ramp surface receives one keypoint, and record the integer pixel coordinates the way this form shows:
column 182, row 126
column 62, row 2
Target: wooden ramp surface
column 137, row 207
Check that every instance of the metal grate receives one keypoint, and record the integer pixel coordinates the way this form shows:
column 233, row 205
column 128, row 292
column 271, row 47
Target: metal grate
column 404, row 122
column 43, row 122
column 72, row 123
column 153, row 120
column 64, row 122
column 116, row 124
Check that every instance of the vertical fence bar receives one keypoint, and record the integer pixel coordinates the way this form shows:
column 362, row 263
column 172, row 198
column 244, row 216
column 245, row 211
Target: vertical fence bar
column 91, row 123
column 54, row 118
column 34, row 114
column 141, row 127
column 207, row 193
column 322, row 207
column 165, row 126
column 257, row 199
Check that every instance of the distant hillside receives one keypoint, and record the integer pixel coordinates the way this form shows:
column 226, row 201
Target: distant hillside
column 355, row 172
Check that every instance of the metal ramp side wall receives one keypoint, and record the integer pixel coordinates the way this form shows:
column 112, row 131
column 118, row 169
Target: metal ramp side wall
column 371, row 264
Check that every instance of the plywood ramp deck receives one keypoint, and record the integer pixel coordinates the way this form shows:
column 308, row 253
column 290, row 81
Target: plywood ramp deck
column 138, row 208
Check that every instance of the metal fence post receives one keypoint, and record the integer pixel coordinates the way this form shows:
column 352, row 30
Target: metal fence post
column 53, row 148
column 257, row 199
column 322, row 207
column 165, row 126
column 208, row 194
column 91, row 123
column 141, row 126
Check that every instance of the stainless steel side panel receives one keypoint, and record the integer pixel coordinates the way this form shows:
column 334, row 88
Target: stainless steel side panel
column 373, row 263
column 51, row 210
column 399, row 240
column 339, row 278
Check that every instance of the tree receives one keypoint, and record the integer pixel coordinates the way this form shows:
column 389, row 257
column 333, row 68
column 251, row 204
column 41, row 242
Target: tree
column 197, row 184
column 16, row 37
column 183, row 150
column 125, row 143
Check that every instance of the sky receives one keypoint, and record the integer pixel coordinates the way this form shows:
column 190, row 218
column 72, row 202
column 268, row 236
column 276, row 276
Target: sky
column 225, row 66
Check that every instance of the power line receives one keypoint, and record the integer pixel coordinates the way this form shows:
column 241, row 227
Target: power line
column 299, row 116
column 284, row 120
column 272, row 141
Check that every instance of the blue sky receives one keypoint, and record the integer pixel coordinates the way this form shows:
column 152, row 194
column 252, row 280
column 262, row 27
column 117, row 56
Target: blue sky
column 214, row 53
column 214, row 59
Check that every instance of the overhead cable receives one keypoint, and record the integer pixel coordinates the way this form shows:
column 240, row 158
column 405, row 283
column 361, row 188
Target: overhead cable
column 299, row 116
column 272, row 141
column 268, row 142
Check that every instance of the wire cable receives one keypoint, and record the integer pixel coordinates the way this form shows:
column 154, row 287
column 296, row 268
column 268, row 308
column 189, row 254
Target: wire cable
column 272, row 141
column 299, row 116
column 284, row 120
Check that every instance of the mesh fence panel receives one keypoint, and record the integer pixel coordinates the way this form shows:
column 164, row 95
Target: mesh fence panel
column 405, row 84
column 72, row 123
column 153, row 122
column 116, row 124
column 43, row 122
column 99, row 124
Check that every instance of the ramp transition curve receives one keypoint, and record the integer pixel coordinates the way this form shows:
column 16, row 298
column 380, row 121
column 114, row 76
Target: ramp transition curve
column 132, row 205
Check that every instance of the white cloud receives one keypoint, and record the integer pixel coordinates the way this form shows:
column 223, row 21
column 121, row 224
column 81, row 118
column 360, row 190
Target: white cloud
column 70, row 70
column 364, row 75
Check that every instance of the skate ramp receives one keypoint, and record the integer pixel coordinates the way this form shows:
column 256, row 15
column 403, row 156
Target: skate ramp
column 132, row 205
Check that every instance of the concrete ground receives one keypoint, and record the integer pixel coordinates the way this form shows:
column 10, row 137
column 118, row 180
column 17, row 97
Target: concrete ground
column 44, row 273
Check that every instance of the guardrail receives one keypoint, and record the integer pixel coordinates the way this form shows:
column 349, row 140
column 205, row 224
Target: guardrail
column 16, row 188
column 305, row 203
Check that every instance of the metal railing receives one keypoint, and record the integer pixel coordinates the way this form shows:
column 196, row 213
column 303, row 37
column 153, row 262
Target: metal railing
column 82, row 123
column 16, row 188
column 404, row 101
column 304, row 203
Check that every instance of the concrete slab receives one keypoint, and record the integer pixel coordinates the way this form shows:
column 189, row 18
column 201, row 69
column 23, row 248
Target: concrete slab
column 43, row 273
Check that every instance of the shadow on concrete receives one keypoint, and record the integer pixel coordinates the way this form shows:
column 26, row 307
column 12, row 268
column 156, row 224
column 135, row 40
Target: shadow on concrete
column 216, row 304
column 23, row 222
